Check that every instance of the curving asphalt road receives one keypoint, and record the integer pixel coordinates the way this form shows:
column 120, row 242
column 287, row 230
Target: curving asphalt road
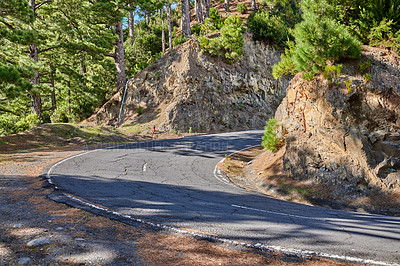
column 173, row 182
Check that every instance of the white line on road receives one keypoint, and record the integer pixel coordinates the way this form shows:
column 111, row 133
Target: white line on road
column 288, row 251
column 278, row 213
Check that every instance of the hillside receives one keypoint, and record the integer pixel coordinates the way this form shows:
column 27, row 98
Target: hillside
column 188, row 90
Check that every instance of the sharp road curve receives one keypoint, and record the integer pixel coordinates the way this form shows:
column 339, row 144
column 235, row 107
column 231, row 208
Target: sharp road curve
column 173, row 183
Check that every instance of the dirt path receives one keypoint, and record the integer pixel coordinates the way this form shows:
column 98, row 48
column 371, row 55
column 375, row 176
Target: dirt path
column 75, row 237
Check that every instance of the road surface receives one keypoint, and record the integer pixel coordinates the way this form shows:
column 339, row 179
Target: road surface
column 173, row 183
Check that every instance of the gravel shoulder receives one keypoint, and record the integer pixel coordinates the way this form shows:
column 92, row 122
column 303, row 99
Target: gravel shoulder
column 38, row 231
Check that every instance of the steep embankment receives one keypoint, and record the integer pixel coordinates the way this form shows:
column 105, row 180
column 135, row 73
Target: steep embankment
column 347, row 138
column 187, row 88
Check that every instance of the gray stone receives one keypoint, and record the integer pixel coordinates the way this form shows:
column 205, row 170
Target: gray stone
column 39, row 242
column 23, row 261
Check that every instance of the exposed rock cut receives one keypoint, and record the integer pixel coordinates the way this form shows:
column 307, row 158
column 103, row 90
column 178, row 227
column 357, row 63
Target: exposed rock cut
column 190, row 89
column 348, row 139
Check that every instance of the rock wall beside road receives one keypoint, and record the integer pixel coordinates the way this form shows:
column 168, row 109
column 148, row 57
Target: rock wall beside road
column 347, row 138
column 187, row 88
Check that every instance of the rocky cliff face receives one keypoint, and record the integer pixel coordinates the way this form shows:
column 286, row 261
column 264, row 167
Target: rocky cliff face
column 346, row 137
column 190, row 89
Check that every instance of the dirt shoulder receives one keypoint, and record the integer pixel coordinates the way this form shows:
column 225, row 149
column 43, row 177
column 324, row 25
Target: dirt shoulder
column 71, row 236
column 262, row 171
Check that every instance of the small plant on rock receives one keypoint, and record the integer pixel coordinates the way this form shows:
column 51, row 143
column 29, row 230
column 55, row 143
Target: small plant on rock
column 331, row 73
column 367, row 77
column 270, row 141
column 348, row 84
column 364, row 67
column 139, row 110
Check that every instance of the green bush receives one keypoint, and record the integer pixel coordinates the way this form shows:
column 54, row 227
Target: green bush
column 270, row 141
column 332, row 72
column 268, row 26
column 242, row 8
column 7, row 124
column 318, row 39
column 178, row 41
column 229, row 44
column 196, row 29
column 26, row 123
column 216, row 18
column 12, row 124
column 373, row 21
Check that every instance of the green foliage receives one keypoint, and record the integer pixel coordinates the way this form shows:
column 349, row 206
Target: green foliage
column 373, row 21
column 270, row 27
column 139, row 110
column 363, row 67
column 319, row 39
column 349, row 84
column 216, row 18
column 229, row 44
column 12, row 124
column 270, row 141
column 367, row 77
column 332, row 72
column 178, row 41
column 207, row 27
column 26, row 123
column 286, row 65
column 242, row 8
column 196, row 29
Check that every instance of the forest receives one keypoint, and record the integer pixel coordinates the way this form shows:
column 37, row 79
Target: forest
column 60, row 60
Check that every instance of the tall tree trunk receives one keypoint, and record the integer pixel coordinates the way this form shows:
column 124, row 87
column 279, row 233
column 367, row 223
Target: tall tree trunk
column 169, row 24
column 205, row 4
column 226, row 6
column 83, row 65
column 186, row 19
column 162, row 31
column 253, row 5
column 147, row 17
column 199, row 11
column 69, row 103
column 36, row 101
column 53, row 92
column 119, row 57
column 131, row 25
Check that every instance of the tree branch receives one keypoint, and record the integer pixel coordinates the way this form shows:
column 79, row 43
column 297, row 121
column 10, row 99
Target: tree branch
column 7, row 111
column 110, row 55
column 42, row 3
column 8, row 25
column 48, row 49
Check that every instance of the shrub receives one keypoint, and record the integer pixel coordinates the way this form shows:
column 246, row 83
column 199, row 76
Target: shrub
column 230, row 42
column 11, row 124
column 178, row 41
column 139, row 110
column 331, row 72
column 242, row 8
column 216, row 18
column 270, row 141
column 207, row 27
column 318, row 39
column 26, row 123
column 268, row 26
column 196, row 29
column 371, row 19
